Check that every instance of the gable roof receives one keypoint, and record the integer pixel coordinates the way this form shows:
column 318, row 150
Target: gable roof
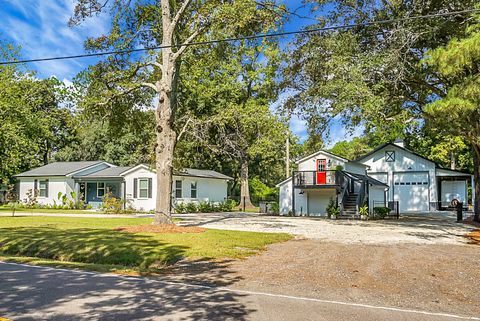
column 107, row 172
column 58, row 169
column 320, row 152
column 205, row 173
column 395, row 145
column 284, row 181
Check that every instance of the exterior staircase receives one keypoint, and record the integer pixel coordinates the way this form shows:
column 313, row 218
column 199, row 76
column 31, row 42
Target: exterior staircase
column 350, row 206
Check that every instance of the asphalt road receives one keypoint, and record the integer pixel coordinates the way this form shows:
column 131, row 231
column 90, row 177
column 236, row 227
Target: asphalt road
column 41, row 293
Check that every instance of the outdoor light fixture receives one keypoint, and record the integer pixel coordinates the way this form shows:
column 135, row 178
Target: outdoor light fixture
column 301, row 192
column 329, row 163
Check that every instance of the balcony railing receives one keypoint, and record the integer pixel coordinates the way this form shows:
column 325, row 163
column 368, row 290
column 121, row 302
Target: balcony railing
column 313, row 178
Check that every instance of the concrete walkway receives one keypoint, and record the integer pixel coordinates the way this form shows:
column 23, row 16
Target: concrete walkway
column 41, row 293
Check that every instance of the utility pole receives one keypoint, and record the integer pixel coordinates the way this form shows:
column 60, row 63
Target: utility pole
column 287, row 157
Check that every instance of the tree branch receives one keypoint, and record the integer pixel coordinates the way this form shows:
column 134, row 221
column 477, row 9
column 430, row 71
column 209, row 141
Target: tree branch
column 187, row 43
column 180, row 13
column 149, row 85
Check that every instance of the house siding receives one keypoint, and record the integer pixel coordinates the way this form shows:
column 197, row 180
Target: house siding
column 55, row 185
column 208, row 189
column 310, row 164
column 405, row 162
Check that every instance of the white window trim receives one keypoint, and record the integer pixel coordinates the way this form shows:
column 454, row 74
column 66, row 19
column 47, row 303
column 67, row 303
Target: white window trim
column 196, row 189
column 104, row 189
column 138, row 188
column 40, row 189
column 180, row 188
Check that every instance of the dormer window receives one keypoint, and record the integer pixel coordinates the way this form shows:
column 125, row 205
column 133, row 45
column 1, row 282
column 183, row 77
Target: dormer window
column 389, row 156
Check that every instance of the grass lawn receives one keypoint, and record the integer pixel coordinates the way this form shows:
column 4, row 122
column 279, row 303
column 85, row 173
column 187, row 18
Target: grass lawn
column 92, row 243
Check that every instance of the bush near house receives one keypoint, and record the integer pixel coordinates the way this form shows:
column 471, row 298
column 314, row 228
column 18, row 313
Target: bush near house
column 381, row 212
column 113, row 205
column 63, row 202
column 205, row 207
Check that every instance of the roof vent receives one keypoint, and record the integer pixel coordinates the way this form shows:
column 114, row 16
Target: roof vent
column 399, row 143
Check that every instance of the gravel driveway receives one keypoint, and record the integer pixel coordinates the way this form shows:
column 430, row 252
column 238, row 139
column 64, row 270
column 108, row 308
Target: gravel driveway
column 429, row 228
column 418, row 262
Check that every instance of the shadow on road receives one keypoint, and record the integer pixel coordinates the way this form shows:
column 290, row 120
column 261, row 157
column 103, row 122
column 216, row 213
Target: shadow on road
column 35, row 293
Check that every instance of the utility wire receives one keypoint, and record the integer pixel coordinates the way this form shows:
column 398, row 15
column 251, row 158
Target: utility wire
column 260, row 36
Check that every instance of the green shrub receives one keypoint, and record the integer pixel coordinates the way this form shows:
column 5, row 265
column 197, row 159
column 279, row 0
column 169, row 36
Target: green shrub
column 363, row 211
column 332, row 208
column 180, row 208
column 381, row 211
column 112, row 204
column 260, row 191
column 228, row 205
column 191, row 207
column 274, row 208
column 205, row 207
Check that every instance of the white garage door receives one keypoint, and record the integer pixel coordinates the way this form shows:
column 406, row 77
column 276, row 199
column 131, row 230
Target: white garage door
column 454, row 190
column 411, row 191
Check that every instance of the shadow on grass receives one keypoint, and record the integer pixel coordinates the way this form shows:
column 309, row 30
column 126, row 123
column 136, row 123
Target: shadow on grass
column 98, row 246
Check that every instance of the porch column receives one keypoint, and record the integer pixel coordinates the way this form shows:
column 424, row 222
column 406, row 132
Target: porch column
column 123, row 195
column 473, row 191
column 77, row 191
column 293, row 199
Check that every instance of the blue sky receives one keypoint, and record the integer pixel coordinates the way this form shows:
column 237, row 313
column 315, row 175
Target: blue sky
column 40, row 28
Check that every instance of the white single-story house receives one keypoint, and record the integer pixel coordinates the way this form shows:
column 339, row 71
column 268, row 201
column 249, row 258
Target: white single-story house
column 390, row 175
column 91, row 180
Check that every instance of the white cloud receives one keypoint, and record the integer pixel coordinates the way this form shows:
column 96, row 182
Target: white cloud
column 41, row 29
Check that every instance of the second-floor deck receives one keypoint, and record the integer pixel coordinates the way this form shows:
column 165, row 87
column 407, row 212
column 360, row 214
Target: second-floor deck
column 314, row 179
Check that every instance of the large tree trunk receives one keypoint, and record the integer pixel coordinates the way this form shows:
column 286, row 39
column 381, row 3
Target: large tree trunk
column 166, row 136
column 476, row 188
column 244, row 188
column 166, row 139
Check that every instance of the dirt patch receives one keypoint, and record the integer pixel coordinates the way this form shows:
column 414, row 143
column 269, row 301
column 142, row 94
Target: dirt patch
column 164, row 228
column 425, row 277
column 433, row 277
column 474, row 236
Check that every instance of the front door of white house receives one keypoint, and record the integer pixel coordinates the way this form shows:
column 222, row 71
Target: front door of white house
column 411, row 190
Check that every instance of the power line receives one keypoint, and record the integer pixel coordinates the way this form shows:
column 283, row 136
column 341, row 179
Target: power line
column 267, row 35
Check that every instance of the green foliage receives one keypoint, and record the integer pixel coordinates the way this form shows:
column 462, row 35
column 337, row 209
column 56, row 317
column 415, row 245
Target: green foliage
column 204, row 207
column 368, row 80
column 457, row 112
column 381, row 212
column 33, row 125
column 332, row 209
column 363, row 210
column 259, row 190
column 274, row 208
column 351, row 149
column 31, row 199
column 191, row 207
column 112, row 204
column 120, row 144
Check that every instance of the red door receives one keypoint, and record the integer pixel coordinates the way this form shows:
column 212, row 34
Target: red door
column 321, row 172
